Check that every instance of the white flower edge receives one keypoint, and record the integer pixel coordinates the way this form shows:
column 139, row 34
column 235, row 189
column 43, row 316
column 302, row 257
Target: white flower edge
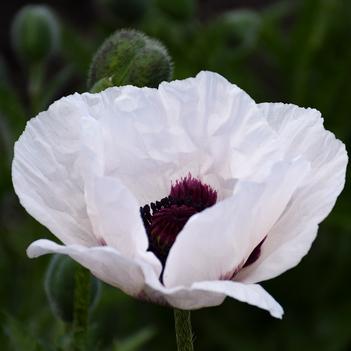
column 210, row 247
column 139, row 278
column 301, row 132
column 49, row 175
column 62, row 149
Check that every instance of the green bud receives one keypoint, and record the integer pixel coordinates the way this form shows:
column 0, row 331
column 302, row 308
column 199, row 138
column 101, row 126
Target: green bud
column 180, row 9
column 35, row 33
column 130, row 57
column 101, row 85
column 59, row 287
column 125, row 10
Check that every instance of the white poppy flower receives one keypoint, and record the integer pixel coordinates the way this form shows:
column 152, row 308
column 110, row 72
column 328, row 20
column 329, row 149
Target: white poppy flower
column 180, row 195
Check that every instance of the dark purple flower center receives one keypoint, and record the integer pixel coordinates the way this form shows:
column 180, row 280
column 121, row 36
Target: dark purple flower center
column 164, row 219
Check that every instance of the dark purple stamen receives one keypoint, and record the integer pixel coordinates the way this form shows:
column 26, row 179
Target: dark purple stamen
column 164, row 219
column 193, row 192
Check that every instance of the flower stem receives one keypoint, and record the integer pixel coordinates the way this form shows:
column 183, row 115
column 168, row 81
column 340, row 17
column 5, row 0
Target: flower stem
column 183, row 330
column 35, row 87
column 81, row 308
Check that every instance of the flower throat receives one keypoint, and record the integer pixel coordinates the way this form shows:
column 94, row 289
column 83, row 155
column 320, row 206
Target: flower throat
column 164, row 219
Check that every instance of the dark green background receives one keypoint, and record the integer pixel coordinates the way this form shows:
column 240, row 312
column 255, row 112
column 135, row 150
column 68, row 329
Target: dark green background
column 290, row 51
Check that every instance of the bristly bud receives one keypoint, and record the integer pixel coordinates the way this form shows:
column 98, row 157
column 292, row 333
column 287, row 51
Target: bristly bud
column 35, row 33
column 59, row 287
column 129, row 57
column 101, row 85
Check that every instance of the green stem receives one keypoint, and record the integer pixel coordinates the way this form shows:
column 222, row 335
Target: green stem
column 183, row 330
column 81, row 308
column 36, row 79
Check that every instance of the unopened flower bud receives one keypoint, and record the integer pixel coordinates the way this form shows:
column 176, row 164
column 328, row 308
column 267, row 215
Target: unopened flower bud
column 35, row 33
column 60, row 284
column 130, row 57
column 101, row 85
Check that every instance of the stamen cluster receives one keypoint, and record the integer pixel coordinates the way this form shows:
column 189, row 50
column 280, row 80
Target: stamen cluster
column 164, row 219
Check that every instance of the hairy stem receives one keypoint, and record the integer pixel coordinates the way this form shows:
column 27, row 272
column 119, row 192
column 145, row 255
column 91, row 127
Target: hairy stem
column 81, row 308
column 183, row 330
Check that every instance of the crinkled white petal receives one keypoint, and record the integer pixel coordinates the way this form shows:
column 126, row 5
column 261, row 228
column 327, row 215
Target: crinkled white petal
column 124, row 116
column 224, row 125
column 85, row 166
column 145, row 138
column 113, row 210
column 211, row 293
column 252, row 294
column 215, row 242
column 58, row 174
column 46, row 174
column 105, row 263
column 302, row 133
column 202, row 125
column 115, row 215
column 139, row 278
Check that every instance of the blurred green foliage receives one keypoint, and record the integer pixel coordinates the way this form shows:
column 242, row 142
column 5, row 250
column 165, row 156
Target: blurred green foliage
column 60, row 284
column 291, row 51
